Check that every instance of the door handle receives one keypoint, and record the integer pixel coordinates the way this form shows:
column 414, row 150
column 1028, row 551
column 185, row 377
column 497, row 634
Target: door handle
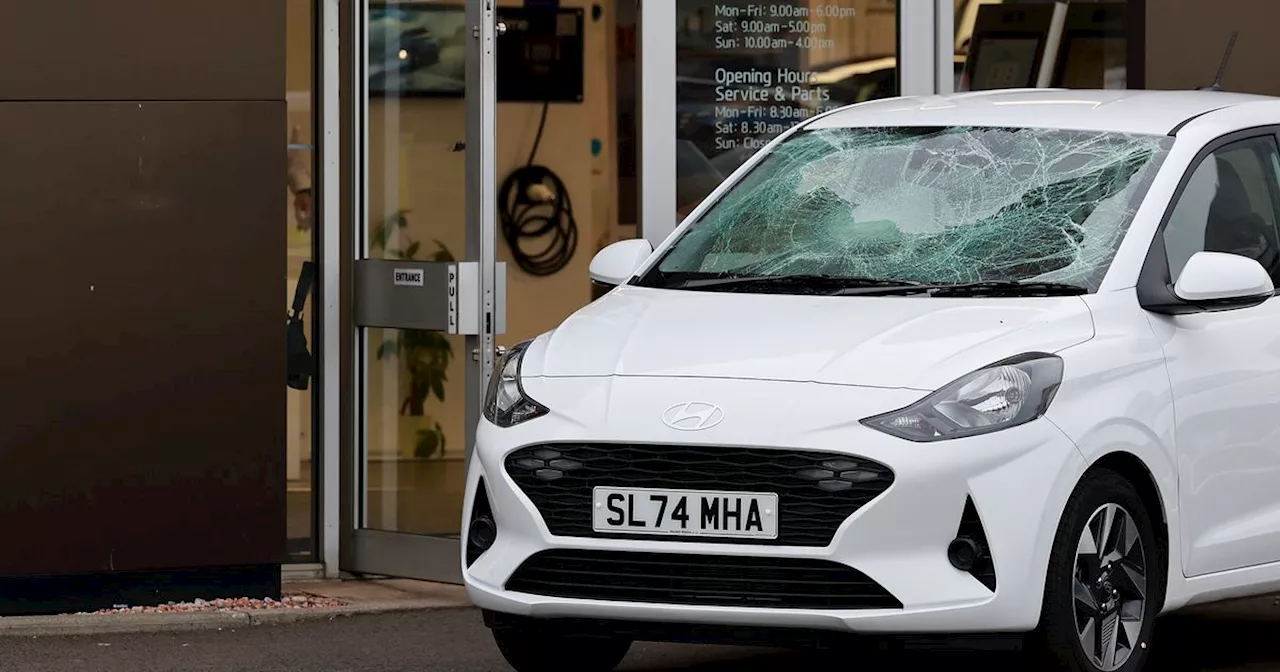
column 500, row 28
column 499, row 351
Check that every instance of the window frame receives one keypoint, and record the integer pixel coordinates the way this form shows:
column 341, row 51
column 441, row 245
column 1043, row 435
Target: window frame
column 1155, row 284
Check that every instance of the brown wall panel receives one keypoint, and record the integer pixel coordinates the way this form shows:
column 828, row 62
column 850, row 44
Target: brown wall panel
column 1187, row 38
column 142, row 354
column 142, row 50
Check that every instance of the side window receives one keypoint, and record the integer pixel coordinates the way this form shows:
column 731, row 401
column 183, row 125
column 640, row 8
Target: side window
column 1231, row 204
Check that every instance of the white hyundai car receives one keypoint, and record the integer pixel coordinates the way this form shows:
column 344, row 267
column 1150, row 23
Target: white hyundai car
column 1003, row 362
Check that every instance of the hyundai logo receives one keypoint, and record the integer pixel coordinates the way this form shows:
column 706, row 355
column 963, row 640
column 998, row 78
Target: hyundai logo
column 692, row 416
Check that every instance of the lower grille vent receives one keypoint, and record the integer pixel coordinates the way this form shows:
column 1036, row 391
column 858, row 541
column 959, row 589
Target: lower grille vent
column 711, row 580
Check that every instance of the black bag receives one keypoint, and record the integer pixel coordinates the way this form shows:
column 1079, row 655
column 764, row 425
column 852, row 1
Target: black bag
column 301, row 365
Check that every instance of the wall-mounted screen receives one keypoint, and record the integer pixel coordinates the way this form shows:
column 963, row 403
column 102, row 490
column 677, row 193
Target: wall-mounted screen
column 417, row 50
column 541, row 55
column 1005, row 62
column 1092, row 62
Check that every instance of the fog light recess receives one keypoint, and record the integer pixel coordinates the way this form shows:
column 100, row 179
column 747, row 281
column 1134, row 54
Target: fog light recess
column 482, row 530
column 970, row 551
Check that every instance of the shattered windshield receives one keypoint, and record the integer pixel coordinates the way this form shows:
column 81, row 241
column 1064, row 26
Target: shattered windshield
column 925, row 206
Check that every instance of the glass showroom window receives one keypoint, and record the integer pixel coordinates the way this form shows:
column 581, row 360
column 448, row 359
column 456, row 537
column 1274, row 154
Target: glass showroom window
column 1041, row 43
column 300, row 225
column 748, row 70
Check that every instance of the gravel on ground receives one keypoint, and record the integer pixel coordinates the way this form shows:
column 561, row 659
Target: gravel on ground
column 295, row 601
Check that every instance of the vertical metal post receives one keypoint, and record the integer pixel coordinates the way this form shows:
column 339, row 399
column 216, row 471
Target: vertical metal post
column 1044, row 79
column 359, row 87
column 330, row 379
column 657, row 112
column 944, row 23
column 917, row 48
column 482, row 137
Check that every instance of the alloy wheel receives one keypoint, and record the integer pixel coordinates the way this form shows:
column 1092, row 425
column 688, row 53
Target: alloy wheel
column 1109, row 588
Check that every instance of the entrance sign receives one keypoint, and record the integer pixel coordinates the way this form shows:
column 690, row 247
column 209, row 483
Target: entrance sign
column 408, row 277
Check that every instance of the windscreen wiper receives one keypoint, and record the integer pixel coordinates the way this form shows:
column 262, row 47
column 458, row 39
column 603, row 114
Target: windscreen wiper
column 834, row 285
column 822, row 283
column 1009, row 288
column 985, row 288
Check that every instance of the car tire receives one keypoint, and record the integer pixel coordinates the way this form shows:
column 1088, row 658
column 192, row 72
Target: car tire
column 542, row 650
column 1101, row 595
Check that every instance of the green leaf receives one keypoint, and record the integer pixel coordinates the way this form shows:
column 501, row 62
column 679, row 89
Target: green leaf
column 437, row 385
column 429, row 441
column 412, row 251
column 380, row 235
column 388, row 348
column 442, row 252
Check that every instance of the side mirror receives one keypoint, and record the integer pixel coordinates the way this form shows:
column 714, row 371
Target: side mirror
column 616, row 263
column 1218, row 279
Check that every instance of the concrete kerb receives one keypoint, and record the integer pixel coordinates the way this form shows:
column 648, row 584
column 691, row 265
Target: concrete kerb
column 114, row 624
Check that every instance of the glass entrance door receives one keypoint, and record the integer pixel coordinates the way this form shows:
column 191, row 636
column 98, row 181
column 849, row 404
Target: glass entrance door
column 425, row 300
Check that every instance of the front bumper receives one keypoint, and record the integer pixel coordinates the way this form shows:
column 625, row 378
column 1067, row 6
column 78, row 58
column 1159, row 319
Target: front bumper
column 1017, row 480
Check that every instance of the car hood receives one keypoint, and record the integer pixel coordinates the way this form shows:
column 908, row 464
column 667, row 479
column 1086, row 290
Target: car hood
column 903, row 342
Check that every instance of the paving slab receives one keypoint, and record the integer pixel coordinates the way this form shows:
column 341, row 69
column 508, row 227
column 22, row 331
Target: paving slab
column 382, row 590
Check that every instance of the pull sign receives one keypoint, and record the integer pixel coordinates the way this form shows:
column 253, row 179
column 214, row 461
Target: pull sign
column 453, row 298
column 408, row 277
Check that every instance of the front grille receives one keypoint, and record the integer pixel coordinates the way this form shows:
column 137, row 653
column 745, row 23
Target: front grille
column 709, row 580
column 816, row 491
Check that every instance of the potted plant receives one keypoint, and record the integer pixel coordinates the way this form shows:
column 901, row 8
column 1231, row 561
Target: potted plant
column 425, row 355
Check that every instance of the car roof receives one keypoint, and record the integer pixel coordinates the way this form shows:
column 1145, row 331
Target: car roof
column 1109, row 110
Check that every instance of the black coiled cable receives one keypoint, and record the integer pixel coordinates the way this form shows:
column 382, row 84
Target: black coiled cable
column 523, row 219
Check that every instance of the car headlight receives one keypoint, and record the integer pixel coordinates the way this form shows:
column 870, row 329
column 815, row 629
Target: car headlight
column 505, row 403
column 1003, row 395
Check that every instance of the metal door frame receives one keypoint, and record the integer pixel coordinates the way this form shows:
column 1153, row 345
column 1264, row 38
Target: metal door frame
column 378, row 552
column 328, row 450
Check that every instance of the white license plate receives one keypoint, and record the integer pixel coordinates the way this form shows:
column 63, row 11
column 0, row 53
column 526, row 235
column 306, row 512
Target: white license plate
column 750, row 515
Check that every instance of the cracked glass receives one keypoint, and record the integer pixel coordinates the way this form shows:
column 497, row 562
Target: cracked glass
column 939, row 205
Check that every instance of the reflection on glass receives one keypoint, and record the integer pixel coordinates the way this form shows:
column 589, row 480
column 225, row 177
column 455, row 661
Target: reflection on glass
column 417, row 49
column 1012, row 46
column 625, row 69
column 1092, row 62
column 415, row 408
column 748, row 70
column 415, row 432
column 298, row 213
column 1006, row 63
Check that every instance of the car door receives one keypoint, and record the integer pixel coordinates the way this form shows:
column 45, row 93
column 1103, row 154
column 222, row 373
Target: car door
column 1224, row 367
